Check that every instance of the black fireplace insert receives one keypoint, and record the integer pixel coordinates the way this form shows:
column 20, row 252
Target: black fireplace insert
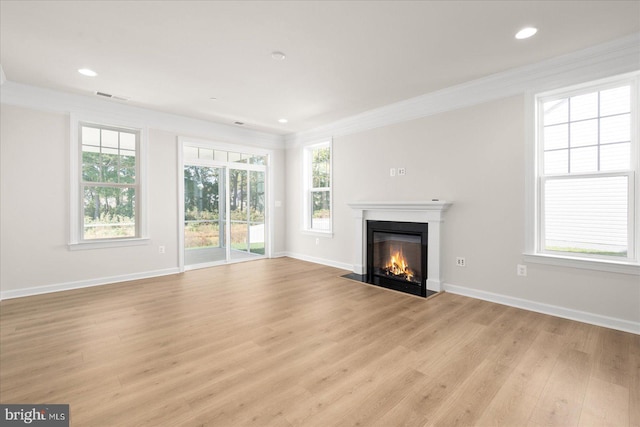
column 397, row 256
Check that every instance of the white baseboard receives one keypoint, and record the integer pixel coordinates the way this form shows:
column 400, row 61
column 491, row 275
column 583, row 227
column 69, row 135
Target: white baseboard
column 553, row 310
column 322, row 261
column 37, row 290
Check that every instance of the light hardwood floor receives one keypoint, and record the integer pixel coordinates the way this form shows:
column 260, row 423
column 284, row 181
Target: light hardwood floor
column 283, row 342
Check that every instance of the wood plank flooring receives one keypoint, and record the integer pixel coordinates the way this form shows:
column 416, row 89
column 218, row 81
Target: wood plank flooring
column 283, row 342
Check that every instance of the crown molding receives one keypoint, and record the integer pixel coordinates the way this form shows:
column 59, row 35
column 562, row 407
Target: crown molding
column 616, row 57
column 60, row 102
column 434, row 205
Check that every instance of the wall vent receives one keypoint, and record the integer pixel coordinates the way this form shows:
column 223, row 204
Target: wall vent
column 108, row 95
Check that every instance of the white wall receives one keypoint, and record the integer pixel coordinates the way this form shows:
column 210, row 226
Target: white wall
column 34, row 257
column 474, row 158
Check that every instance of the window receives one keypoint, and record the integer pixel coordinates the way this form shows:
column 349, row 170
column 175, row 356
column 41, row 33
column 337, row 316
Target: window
column 205, row 153
column 318, row 188
column 107, row 177
column 587, row 172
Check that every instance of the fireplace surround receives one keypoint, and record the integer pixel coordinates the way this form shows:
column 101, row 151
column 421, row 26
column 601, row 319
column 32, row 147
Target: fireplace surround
column 430, row 213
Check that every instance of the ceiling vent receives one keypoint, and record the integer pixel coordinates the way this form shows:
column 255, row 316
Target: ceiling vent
column 108, row 95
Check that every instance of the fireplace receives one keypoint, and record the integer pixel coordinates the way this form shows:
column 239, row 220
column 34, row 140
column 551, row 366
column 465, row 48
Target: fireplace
column 397, row 256
column 428, row 213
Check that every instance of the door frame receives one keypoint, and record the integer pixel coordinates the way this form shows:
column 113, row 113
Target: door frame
column 268, row 220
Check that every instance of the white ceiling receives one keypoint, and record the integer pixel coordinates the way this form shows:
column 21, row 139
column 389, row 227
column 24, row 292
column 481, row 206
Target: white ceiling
column 343, row 57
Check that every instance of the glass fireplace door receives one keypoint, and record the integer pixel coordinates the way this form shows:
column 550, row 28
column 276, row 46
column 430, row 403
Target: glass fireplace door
column 397, row 256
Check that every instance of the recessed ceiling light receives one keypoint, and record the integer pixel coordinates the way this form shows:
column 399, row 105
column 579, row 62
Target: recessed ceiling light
column 525, row 33
column 283, row 120
column 278, row 56
column 87, row 72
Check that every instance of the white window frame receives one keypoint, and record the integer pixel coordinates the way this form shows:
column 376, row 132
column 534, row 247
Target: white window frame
column 534, row 239
column 76, row 222
column 308, row 188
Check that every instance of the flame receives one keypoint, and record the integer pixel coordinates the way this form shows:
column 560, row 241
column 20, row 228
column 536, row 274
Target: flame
column 397, row 266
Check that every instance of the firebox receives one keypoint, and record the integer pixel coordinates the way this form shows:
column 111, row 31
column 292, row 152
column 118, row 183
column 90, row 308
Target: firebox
column 397, row 256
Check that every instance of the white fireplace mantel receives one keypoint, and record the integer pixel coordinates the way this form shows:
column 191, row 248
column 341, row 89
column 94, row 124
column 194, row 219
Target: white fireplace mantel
column 430, row 212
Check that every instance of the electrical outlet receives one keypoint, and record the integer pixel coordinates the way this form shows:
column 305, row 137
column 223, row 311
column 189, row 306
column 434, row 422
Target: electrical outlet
column 461, row 262
column 522, row 270
column 317, row 241
column 160, row 249
column 402, row 171
column 392, row 172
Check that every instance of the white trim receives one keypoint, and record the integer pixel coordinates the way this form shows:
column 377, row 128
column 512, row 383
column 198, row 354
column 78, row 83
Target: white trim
column 74, row 179
column 586, row 264
column 227, row 212
column 225, row 146
column 270, row 206
column 616, row 57
column 46, row 289
column 530, row 170
column 180, row 201
column 435, row 206
column 50, row 100
column 315, row 260
column 143, row 183
column 553, row 310
column 112, row 243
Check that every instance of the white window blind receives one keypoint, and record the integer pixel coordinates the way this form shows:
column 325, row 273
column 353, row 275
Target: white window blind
column 587, row 215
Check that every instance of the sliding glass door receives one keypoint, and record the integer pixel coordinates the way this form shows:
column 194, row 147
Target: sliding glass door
column 204, row 214
column 224, row 206
column 247, row 212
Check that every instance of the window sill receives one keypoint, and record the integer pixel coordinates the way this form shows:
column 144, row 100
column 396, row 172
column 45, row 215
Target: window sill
column 317, row 233
column 101, row 244
column 584, row 263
